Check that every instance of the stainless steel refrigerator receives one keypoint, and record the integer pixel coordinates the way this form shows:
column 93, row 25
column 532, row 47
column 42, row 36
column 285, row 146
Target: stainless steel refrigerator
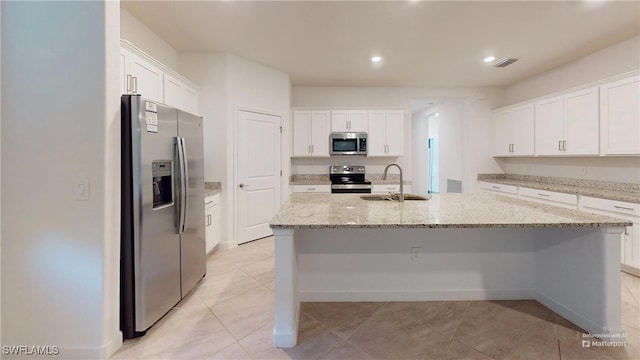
column 162, row 225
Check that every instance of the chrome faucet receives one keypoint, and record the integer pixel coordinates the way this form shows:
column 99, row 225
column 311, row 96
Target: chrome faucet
column 384, row 177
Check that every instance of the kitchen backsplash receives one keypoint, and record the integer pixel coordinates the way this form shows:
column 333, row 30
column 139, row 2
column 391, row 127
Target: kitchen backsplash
column 617, row 169
column 321, row 165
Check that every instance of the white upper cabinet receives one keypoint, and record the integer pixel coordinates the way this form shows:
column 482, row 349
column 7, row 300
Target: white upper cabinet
column 513, row 131
column 349, row 121
column 179, row 94
column 581, row 123
column 385, row 136
column 311, row 133
column 568, row 124
column 549, row 126
column 620, row 117
column 143, row 75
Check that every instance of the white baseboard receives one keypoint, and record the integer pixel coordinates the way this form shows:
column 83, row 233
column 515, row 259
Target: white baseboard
column 424, row 295
column 630, row 270
column 579, row 320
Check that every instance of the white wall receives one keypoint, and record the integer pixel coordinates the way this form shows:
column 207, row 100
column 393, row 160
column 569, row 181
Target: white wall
column 229, row 83
column 614, row 60
column 618, row 59
column 58, row 267
column 142, row 37
column 475, row 117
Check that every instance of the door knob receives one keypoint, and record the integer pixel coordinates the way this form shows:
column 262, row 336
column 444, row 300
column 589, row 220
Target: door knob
column 242, row 186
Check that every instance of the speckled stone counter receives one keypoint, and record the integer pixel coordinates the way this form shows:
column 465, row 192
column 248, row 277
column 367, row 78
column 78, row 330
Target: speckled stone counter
column 311, row 211
column 599, row 189
column 212, row 188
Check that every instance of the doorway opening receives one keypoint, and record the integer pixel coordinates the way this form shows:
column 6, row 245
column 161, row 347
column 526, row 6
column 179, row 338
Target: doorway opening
column 437, row 145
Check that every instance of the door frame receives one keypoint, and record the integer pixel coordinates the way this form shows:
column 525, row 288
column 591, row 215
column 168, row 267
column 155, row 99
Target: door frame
column 233, row 233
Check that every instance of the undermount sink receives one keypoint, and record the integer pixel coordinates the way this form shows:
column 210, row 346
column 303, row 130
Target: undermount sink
column 388, row 197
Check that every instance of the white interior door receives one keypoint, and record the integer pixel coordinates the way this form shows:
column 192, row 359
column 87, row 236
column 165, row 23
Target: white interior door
column 258, row 174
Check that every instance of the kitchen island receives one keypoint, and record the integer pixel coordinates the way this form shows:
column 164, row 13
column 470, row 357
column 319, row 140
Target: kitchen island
column 340, row 247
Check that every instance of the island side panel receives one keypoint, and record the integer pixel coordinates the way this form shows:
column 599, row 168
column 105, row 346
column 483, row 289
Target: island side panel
column 287, row 303
column 452, row 264
column 578, row 276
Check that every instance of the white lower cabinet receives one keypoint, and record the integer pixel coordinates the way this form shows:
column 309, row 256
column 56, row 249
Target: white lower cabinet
column 630, row 246
column 567, row 201
column 386, row 188
column 502, row 189
column 212, row 221
column 325, row 189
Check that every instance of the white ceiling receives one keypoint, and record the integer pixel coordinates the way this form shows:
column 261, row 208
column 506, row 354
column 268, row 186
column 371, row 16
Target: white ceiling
column 424, row 43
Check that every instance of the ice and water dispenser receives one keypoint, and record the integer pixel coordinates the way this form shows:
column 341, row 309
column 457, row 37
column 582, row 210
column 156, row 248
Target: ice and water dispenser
column 162, row 183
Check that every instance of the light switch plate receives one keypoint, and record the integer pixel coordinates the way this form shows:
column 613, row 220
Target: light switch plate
column 82, row 188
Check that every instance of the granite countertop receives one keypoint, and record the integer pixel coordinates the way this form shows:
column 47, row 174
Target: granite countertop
column 481, row 210
column 323, row 179
column 212, row 188
column 599, row 189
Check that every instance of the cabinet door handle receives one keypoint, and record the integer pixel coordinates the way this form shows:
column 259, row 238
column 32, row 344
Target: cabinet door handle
column 623, row 208
column 496, row 187
column 128, row 83
column 312, row 149
column 309, row 149
column 311, row 189
column 559, row 145
column 545, row 195
column 209, row 202
column 564, row 145
column 135, row 84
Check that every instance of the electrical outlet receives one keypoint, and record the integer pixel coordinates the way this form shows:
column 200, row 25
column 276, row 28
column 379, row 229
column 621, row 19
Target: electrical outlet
column 583, row 170
column 415, row 253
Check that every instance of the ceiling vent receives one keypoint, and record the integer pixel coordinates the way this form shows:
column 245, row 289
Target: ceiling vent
column 505, row 62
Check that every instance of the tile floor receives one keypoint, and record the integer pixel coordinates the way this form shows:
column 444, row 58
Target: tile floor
column 229, row 315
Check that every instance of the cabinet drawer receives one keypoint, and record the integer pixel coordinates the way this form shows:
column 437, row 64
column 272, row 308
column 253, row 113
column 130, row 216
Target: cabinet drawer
column 311, row 188
column 614, row 206
column 385, row 188
column 508, row 189
column 549, row 196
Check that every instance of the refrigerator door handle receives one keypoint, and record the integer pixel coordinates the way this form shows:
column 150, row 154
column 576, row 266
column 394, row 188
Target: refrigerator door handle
column 185, row 184
column 181, row 185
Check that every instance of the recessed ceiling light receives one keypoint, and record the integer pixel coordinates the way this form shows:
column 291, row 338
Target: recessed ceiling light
column 376, row 59
column 436, row 114
column 489, row 58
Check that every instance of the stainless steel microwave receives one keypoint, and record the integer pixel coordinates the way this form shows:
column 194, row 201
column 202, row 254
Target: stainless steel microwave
column 348, row 143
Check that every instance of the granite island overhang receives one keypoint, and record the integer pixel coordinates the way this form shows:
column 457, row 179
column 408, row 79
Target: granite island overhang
column 338, row 247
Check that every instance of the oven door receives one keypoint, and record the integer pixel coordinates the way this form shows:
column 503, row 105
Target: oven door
column 351, row 188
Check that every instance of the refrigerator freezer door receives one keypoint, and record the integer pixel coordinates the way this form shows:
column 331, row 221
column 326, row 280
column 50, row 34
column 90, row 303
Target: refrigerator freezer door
column 193, row 253
column 157, row 249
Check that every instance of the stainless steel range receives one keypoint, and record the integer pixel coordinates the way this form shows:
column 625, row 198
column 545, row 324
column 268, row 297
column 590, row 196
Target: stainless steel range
column 348, row 179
